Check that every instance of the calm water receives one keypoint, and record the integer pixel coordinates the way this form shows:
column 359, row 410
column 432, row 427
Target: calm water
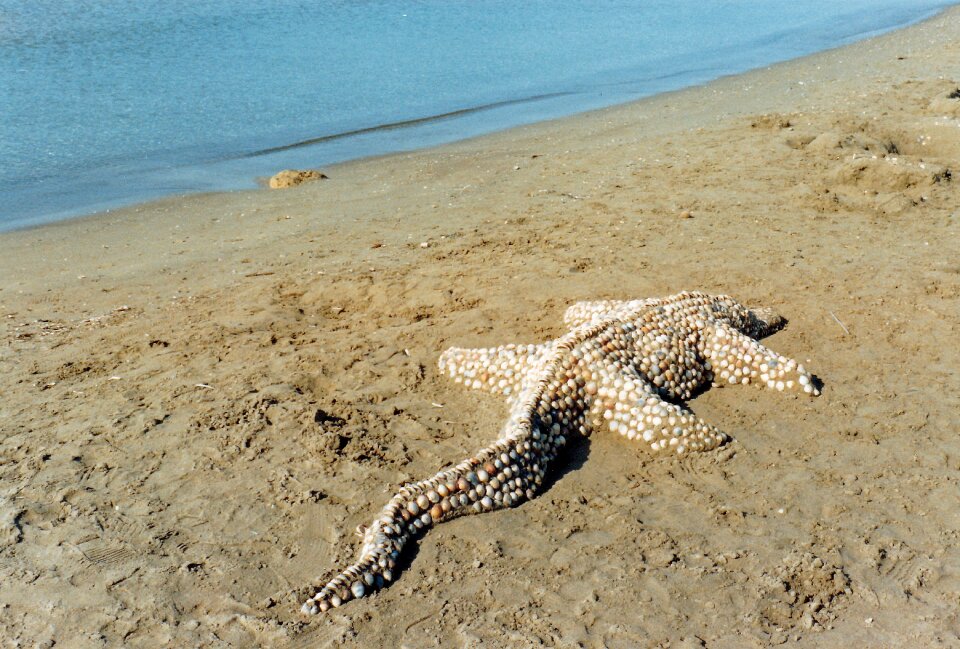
column 107, row 102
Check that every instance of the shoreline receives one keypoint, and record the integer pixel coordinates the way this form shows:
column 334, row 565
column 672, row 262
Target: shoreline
column 205, row 395
column 528, row 131
column 246, row 181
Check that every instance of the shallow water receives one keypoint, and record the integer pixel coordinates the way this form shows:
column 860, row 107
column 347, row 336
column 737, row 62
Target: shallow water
column 108, row 103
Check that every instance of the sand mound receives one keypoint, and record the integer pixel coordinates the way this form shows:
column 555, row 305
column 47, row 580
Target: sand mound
column 890, row 174
column 293, row 177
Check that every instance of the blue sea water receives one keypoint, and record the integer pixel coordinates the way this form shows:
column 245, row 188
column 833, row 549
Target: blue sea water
column 109, row 102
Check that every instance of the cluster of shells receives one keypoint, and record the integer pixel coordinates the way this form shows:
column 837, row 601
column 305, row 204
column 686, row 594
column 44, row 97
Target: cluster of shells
column 501, row 475
column 622, row 366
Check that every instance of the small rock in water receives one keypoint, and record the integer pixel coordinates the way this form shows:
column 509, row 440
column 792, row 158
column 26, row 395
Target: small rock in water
column 293, row 177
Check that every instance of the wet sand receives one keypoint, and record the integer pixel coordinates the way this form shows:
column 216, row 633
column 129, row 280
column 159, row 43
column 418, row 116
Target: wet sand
column 204, row 396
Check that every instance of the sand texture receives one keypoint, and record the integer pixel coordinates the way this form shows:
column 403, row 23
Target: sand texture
column 204, row 396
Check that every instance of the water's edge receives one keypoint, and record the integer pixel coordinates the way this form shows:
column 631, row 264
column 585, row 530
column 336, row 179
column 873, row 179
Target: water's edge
column 404, row 136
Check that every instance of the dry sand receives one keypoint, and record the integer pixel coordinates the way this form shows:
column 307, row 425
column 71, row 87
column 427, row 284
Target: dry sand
column 204, row 396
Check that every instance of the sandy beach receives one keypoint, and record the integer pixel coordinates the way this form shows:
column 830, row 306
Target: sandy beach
column 204, row 396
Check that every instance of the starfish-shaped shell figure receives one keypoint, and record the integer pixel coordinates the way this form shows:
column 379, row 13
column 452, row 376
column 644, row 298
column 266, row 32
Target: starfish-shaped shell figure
column 624, row 366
